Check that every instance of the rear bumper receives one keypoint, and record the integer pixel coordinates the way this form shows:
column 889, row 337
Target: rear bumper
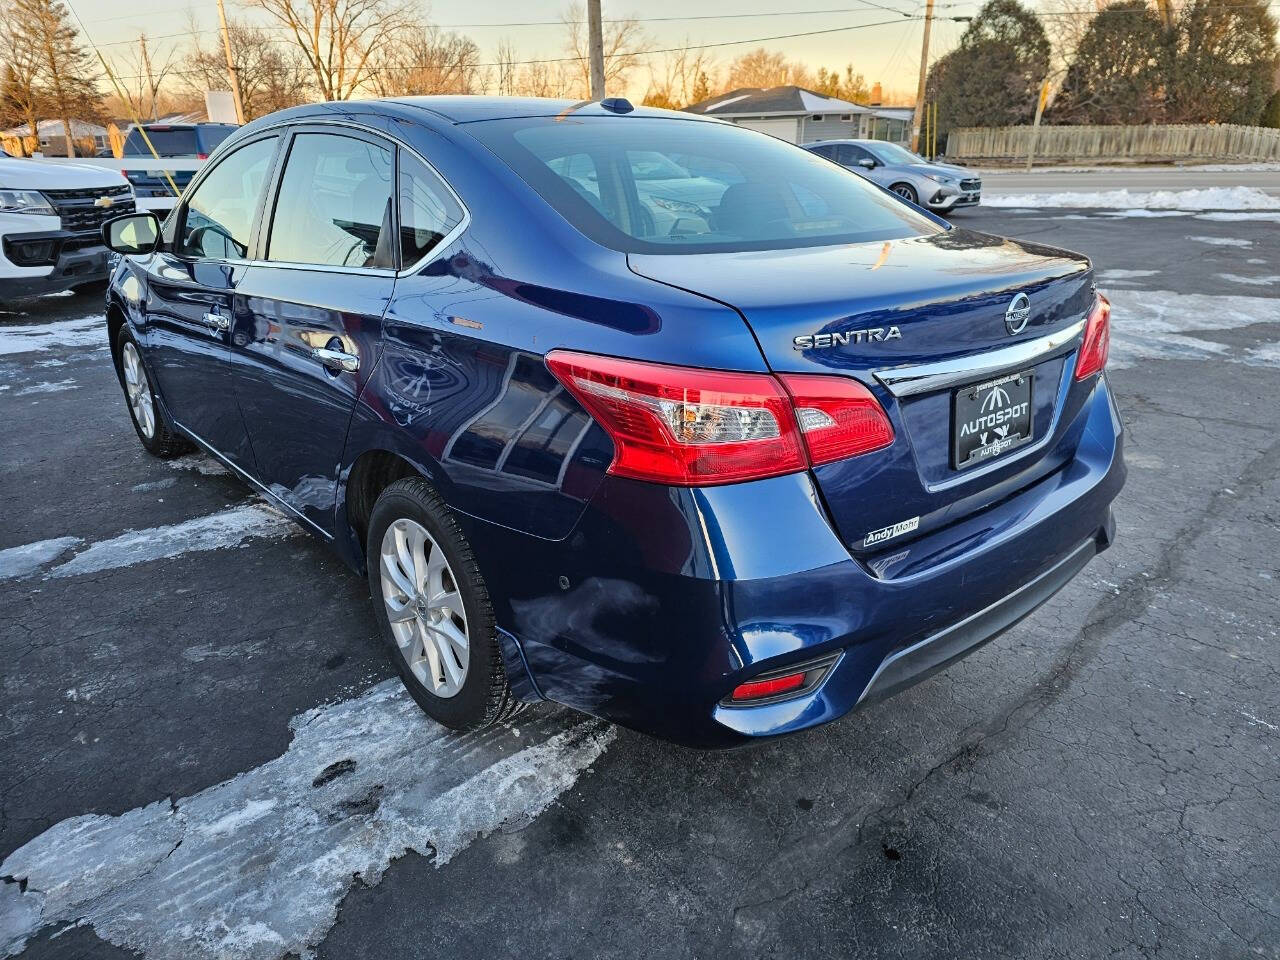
column 677, row 596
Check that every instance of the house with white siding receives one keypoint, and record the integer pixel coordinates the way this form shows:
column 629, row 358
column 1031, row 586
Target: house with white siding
column 799, row 115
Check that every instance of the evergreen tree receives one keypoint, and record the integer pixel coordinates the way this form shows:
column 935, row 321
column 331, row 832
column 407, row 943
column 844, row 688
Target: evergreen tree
column 1271, row 115
column 1119, row 71
column 992, row 79
column 1224, row 62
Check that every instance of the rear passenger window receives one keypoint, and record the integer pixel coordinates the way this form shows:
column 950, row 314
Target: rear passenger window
column 334, row 204
column 428, row 211
column 219, row 218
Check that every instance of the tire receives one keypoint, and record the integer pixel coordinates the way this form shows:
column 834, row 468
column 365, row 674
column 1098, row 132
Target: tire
column 907, row 192
column 153, row 430
column 421, row 644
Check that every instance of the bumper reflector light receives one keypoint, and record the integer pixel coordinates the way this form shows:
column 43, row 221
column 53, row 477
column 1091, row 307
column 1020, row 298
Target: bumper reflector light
column 759, row 689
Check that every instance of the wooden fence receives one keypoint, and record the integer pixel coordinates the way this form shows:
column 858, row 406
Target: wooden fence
column 1118, row 144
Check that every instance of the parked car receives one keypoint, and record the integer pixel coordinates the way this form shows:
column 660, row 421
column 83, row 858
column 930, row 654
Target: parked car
column 715, row 483
column 178, row 140
column 51, row 214
column 938, row 186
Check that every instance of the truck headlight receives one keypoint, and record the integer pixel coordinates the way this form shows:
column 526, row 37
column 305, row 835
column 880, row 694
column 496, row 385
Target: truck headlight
column 25, row 201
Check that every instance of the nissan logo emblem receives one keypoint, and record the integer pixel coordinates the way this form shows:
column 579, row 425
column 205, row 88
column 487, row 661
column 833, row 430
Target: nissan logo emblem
column 1019, row 312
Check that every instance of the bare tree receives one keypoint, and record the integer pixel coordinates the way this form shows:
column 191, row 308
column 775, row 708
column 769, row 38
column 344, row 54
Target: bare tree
column 21, row 96
column 424, row 60
column 674, row 78
column 338, row 38
column 272, row 75
column 148, row 72
column 65, row 69
column 506, row 70
column 763, row 68
column 1066, row 22
column 624, row 43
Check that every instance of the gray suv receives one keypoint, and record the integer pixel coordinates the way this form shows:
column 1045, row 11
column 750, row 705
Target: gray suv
column 936, row 186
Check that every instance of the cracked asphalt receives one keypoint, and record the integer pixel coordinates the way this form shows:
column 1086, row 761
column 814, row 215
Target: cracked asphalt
column 1102, row 781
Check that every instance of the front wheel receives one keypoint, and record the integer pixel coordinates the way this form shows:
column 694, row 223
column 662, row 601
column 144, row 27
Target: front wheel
column 906, row 192
column 434, row 609
column 148, row 422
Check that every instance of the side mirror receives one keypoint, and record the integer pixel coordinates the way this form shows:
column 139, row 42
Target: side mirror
column 867, row 163
column 132, row 233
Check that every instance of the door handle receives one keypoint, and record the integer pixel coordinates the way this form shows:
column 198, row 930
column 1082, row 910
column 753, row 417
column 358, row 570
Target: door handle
column 337, row 360
column 216, row 322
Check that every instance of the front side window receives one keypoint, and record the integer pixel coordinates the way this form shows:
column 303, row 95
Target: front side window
column 428, row 211
column 677, row 186
column 218, row 223
column 334, row 204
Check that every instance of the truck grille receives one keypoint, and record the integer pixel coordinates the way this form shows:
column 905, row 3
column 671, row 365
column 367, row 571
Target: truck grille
column 971, row 185
column 77, row 208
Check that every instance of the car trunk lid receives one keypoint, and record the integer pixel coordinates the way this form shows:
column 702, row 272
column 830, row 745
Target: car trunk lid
column 916, row 320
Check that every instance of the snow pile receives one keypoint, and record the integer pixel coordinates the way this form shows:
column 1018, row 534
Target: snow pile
column 1213, row 198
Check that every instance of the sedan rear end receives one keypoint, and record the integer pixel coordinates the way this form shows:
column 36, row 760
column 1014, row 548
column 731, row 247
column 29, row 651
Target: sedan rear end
column 928, row 452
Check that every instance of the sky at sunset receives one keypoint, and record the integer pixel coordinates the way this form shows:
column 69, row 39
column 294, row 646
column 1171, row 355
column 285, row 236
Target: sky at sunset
column 886, row 49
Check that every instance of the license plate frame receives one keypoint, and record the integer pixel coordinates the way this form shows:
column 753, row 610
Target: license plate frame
column 979, row 411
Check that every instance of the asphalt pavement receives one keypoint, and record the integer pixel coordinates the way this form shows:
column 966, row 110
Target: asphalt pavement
column 202, row 753
column 1264, row 177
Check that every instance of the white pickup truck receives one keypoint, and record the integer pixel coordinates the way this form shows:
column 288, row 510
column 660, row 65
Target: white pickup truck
column 50, row 215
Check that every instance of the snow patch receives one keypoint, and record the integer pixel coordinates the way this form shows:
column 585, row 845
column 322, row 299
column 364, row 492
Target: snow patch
column 25, row 560
column 1250, row 281
column 1212, row 198
column 1223, row 241
column 1125, row 274
column 1267, row 355
column 200, row 463
column 47, row 387
column 1159, row 324
column 255, row 867
column 1227, row 216
column 217, row 531
column 33, row 337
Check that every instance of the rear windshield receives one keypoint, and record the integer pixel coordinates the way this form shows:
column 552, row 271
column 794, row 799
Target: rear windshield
column 650, row 185
column 173, row 142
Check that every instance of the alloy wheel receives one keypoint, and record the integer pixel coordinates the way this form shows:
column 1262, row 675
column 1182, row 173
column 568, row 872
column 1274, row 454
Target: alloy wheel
column 138, row 391
column 424, row 606
column 905, row 192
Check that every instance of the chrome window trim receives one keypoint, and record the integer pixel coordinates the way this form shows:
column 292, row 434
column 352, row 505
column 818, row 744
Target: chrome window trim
column 925, row 377
column 404, row 271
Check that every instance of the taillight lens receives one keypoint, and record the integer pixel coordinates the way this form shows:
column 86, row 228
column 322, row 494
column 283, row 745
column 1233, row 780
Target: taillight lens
column 685, row 426
column 691, row 427
column 838, row 417
column 202, row 156
column 1097, row 340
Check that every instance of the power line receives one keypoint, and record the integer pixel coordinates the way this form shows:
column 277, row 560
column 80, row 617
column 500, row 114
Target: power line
column 643, row 53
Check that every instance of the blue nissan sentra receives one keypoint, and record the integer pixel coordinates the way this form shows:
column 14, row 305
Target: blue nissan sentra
column 636, row 411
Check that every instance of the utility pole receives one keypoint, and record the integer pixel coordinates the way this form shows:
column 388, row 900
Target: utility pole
column 924, row 73
column 595, row 48
column 232, row 75
column 151, row 83
column 1166, row 13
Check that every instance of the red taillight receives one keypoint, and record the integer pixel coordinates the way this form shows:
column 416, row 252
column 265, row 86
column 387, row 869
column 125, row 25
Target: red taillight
column 691, row 427
column 838, row 417
column 685, row 426
column 202, row 156
column 760, row 689
column 1097, row 340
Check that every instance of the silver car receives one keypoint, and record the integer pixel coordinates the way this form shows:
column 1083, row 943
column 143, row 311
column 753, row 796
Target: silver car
column 936, row 186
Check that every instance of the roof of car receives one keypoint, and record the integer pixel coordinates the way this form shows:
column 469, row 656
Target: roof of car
column 470, row 109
